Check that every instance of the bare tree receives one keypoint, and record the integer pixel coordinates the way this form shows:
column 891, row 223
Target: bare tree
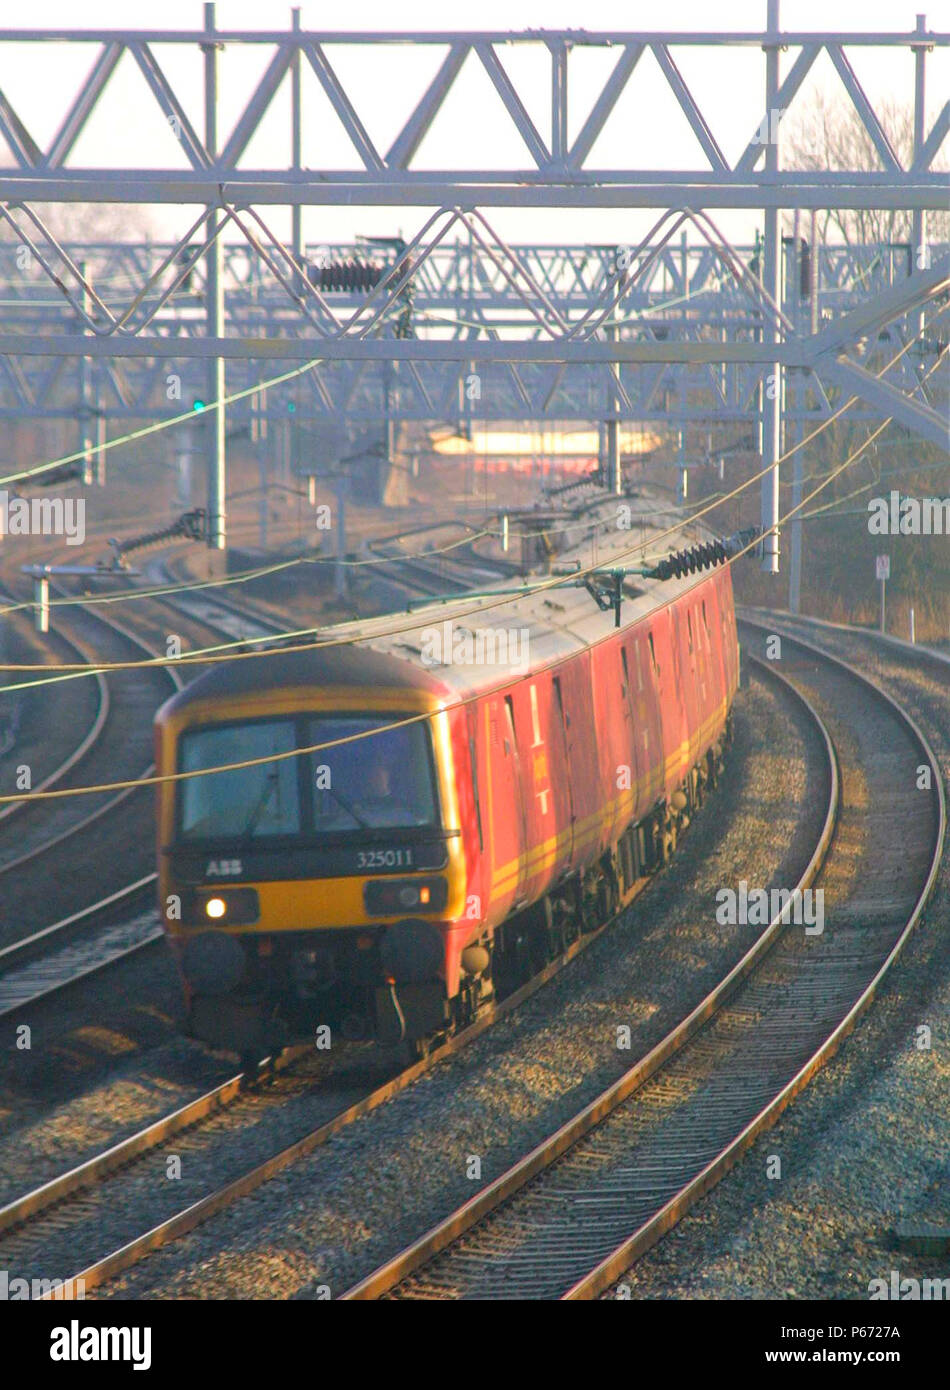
column 829, row 134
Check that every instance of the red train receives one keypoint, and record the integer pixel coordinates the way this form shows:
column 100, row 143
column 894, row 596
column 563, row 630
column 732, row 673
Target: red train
column 488, row 794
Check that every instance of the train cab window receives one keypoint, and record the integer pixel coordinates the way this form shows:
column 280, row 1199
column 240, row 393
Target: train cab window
column 510, row 725
column 565, row 717
column 248, row 802
column 378, row 782
column 478, row 805
column 689, row 629
column 656, row 668
column 706, row 622
column 625, row 679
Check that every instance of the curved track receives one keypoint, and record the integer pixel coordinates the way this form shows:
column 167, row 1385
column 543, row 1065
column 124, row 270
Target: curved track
column 76, row 753
column 39, row 872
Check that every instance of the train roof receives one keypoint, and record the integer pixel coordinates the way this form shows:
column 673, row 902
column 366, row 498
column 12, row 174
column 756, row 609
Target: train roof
column 551, row 624
column 356, row 665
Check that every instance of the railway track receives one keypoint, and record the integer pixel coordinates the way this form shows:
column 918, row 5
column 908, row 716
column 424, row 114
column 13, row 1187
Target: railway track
column 78, row 1195
column 102, row 1181
column 889, row 652
column 571, row 1217
column 31, row 752
column 115, row 925
column 116, row 753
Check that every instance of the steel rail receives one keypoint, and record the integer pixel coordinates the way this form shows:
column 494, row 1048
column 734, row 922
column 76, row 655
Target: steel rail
column 143, row 1141
column 79, row 752
column 920, row 650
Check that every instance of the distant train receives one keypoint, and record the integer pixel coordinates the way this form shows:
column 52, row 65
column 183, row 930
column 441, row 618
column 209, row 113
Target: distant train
column 470, row 820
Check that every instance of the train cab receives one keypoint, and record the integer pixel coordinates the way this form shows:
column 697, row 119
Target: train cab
column 312, row 872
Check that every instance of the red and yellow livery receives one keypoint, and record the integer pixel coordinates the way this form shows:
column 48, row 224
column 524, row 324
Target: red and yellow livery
column 470, row 817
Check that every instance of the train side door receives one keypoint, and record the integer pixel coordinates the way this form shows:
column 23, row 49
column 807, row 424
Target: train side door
column 519, row 773
column 578, row 721
column 649, row 719
column 506, row 837
column 559, row 739
column 479, row 865
column 547, row 796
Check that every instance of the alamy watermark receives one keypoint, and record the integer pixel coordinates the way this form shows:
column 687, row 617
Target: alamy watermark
column 757, row 907
column 15, row 1289
column 452, row 645
column 895, row 515
column 75, row 1343
column 925, row 1290
column 43, row 516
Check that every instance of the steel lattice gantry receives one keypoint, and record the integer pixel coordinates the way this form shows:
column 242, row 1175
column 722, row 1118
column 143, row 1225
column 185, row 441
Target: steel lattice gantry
column 682, row 294
column 454, row 299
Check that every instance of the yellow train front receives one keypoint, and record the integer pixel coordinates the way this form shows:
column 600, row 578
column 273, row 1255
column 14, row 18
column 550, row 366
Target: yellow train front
column 294, row 889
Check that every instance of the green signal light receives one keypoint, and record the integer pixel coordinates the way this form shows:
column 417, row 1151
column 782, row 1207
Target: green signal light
column 197, row 405
column 291, row 407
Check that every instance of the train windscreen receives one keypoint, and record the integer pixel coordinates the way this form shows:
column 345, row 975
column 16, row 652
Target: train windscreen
column 249, row 801
column 375, row 783
column 384, row 781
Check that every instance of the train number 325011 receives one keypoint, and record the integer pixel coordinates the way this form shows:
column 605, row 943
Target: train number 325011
column 384, row 859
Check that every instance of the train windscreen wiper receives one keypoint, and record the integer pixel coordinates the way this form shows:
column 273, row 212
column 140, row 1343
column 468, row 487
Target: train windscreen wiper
column 272, row 781
column 348, row 807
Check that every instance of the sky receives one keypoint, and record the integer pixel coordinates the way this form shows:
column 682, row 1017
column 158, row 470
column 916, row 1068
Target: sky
column 647, row 129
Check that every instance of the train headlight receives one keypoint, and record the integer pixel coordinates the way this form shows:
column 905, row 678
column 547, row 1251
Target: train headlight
column 232, row 907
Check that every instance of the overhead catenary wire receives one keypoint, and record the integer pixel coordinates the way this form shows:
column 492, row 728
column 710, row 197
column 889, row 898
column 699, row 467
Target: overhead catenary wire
column 158, row 425
column 243, row 577
column 278, row 566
